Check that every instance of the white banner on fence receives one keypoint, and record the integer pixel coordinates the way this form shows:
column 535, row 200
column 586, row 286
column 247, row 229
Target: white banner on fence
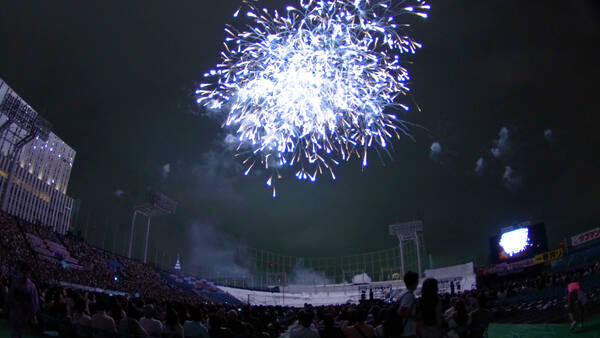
column 462, row 276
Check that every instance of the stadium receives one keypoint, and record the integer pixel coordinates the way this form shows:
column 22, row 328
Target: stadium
column 312, row 168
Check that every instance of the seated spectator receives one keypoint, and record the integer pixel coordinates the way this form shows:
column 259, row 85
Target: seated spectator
column 234, row 324
column 359, row 329
column 195, row 326
column 480, row 318
column 81, row 320
column 330, row 330
column 217, row 330
column 3, row 292
column 116, row 311
column 173, row 328
column 375, row 316
column 459, row 319
column 130, row 325
column 152, row 325
column 23, row 301
column 304, row 329
column 102, row 323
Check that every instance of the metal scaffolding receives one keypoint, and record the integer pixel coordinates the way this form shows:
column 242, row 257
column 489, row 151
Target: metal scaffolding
column 411, row 244
column 28, row 124
column 157, row 204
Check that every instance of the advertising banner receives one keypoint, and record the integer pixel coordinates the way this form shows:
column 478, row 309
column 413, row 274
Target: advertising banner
column 542, row 258
column 549, row 256
column 585, row 237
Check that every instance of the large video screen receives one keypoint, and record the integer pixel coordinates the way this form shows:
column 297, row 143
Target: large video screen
column 519, row 242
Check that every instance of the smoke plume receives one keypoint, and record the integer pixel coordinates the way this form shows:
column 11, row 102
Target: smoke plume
column 510, row 179
column 548, row 135
column 435, row 151
column 480, row 165
column 213, row 253
column 302, row 275
column 165, row 171
column 501, row 145
column 361, row 278
column 118, row 193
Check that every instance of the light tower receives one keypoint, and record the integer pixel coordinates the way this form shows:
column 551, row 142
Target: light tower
column 29, row 125
column 157, row 204
column 412, row 246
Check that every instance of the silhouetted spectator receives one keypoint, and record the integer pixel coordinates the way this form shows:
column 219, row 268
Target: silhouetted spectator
column 359, row 329
column 431, row 310
column 23, row 301
column 480, row 318
column 304, row 329
column 195, row 326
column 329, row 329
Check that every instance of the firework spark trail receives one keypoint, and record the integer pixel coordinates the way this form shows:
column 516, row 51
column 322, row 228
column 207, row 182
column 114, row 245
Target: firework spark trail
column 314, row 86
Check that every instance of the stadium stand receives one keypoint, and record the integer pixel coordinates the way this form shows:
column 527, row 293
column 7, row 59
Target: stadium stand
column 71, row 260
column 78, row 282
column 581, row 257
column 533, row 302
column 201, row 288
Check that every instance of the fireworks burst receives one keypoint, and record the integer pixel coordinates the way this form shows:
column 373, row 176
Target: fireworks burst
column 316, row 85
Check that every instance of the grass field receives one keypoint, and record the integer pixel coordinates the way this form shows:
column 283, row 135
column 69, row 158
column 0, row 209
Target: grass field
column 591, row 328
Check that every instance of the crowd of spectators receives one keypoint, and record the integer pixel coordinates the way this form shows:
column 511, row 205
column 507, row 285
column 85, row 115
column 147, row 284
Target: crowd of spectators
column 159, row 310
column 501, row 289
column 136, row 278
column 507, row 287
column 79, row 313
column 149, row 305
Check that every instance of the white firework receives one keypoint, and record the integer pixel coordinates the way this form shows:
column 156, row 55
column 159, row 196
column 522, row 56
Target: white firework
column 314, row 86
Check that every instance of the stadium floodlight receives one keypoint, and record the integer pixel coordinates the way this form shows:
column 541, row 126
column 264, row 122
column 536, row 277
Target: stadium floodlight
column 41, row 128
column 157, row 203
column 17, row 111
column 409, row 231
column 27, row 119
column 21, row 114
column 161, row 202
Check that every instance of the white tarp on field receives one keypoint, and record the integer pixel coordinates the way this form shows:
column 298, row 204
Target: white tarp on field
column 462, row 276
column 298, row 295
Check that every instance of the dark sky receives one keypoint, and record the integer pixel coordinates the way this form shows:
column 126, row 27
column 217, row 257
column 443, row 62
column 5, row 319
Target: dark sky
column 116, row 78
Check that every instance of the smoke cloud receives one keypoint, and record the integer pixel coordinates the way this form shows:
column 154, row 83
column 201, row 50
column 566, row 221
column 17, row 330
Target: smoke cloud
column 118, row 193
column 479, row 165
column 501, row 145
column 213, row 253
column 230, row 143
column 510, row 179
column 212, row 179
column 435, row 151
column 216, row 176
column 217, row 173
column 302, row 275
column 361, row 278
column 548, row 135
column 165, row 170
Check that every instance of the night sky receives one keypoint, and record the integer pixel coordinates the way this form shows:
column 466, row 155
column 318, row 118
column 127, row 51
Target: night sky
column 116, row 78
